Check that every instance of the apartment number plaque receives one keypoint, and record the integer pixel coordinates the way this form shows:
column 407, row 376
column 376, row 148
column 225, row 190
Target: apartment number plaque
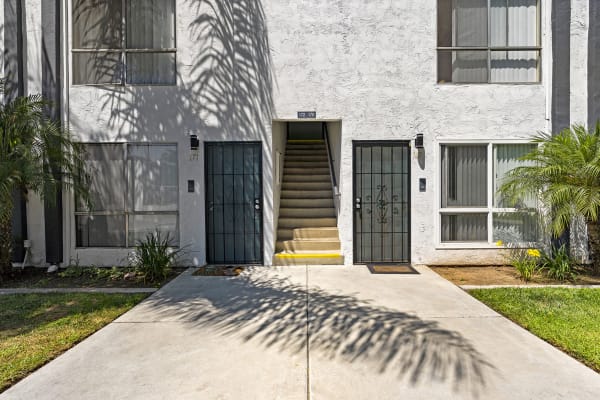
column 307, row 114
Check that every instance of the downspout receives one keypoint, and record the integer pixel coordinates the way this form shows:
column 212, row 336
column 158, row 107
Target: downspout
column 66, row 118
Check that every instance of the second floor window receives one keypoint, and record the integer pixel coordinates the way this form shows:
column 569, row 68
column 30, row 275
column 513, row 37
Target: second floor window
column 489, row 41
column 124, row 41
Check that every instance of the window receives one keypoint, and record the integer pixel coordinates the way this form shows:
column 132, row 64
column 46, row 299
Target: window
column 134, row 192
column 472, row 210
column 124, row 41
column 489, row 41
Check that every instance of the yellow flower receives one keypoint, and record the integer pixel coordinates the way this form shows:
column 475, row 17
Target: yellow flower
column 499, row 243
column 534, row 253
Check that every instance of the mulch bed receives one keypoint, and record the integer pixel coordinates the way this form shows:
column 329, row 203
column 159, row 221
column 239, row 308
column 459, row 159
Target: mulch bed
column 219, row 270
column 504, row 275
column 32, row 277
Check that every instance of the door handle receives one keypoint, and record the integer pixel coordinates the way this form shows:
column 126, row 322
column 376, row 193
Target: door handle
column 358, row 203
column 210, row 206
column 257, row 205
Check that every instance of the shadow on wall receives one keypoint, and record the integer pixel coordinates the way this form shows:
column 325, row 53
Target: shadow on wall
column 272, row 312
column 226, row 92
column 223, row 86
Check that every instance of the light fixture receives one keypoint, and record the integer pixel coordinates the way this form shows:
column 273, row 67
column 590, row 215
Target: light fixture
column 419, row 141
column 194, row 143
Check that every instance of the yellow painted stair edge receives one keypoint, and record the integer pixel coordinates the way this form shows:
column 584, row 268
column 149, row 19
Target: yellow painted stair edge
column 307, row 255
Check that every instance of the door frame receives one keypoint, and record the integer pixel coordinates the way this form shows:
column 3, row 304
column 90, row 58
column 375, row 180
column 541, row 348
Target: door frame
column 262, row 195
column 358, row 143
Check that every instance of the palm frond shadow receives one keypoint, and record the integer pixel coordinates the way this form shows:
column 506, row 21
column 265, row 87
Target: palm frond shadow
column 272, row 312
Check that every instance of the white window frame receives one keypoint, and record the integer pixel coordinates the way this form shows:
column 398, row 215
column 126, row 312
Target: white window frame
column 128, row 208
column 490, row 49
column 123, row 51
column 489, row 209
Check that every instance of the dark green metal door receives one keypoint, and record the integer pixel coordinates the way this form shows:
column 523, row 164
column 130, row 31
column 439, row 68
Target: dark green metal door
column 381, row 202
column 234, row 227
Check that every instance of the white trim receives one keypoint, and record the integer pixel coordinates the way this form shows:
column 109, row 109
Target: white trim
column 123, row 51
column 489, row 210
column 490, row 192
column 126, row 212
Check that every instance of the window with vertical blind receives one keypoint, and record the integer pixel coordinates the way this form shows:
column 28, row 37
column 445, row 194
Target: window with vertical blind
column 134, row 192
column 489, row 41
column 124, row 41
column 472, row 209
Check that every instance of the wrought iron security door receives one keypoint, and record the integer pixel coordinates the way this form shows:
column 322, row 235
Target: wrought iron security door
column 234, row 202
column 381, row 202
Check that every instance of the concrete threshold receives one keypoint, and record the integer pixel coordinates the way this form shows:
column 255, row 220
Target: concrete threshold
column 76, row 290
column 536, row 286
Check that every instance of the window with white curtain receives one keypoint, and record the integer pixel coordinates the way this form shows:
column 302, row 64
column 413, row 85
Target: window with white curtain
column 134, row 192
column 472, row 209
column 124, row 41
column 489, row 41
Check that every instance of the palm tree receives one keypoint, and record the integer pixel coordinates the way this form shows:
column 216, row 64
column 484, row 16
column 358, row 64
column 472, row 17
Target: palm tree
column 564, row 173
column 36, row 155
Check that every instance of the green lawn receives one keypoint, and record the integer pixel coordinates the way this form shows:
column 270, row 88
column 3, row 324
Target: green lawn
column 35, row 328
column 567, row 318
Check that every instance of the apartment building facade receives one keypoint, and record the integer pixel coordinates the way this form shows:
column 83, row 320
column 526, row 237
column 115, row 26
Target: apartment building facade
column 298, row 132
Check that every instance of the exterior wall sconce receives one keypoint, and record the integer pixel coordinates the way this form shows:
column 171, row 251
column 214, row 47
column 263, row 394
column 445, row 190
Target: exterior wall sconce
column 194, row 143
column 419, row 141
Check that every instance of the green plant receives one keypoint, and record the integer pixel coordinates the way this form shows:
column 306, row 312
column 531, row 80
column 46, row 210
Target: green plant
column 565, row 175
column 525, row 262
column 72, row 271
column 113, row 274
column 558, row 264
column 154, row 256
column 36, row 155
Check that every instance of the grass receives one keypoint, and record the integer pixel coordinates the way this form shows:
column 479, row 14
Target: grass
column 567, row 318
column 35, row 328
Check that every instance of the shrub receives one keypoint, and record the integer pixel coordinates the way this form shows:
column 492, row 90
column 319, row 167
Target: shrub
column 525, row 262
column 154, row 256
column 558, row 264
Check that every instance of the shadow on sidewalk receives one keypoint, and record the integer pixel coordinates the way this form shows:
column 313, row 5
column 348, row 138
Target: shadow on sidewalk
column 272, row 312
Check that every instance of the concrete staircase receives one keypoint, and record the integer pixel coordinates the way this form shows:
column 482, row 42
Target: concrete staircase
column 307, row 232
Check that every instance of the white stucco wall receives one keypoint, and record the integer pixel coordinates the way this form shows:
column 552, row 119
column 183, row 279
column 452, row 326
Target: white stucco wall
column 222, row 94
column 373, row 65
column 369, row 64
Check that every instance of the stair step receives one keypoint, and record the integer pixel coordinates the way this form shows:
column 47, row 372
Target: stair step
column 308, row 245
column 313, row 258
column 313, row 212
column 307, row 233
column 306, row 185
column 306, row 203
column 305, row 147
column 307, row 222
column 306, row 178
column 304, row 152
column 305, row 141
column 304, row 170
column 307, row 194
column 315, row 233
column 306, row 164
column 307, row 158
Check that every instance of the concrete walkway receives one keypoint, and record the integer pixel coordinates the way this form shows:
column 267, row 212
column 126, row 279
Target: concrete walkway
column 317, row 333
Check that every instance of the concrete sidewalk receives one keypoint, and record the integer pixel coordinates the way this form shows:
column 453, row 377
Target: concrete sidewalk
column 319, row 333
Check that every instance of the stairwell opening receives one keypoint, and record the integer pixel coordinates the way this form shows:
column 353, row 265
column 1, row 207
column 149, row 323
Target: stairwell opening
column 306, row 155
